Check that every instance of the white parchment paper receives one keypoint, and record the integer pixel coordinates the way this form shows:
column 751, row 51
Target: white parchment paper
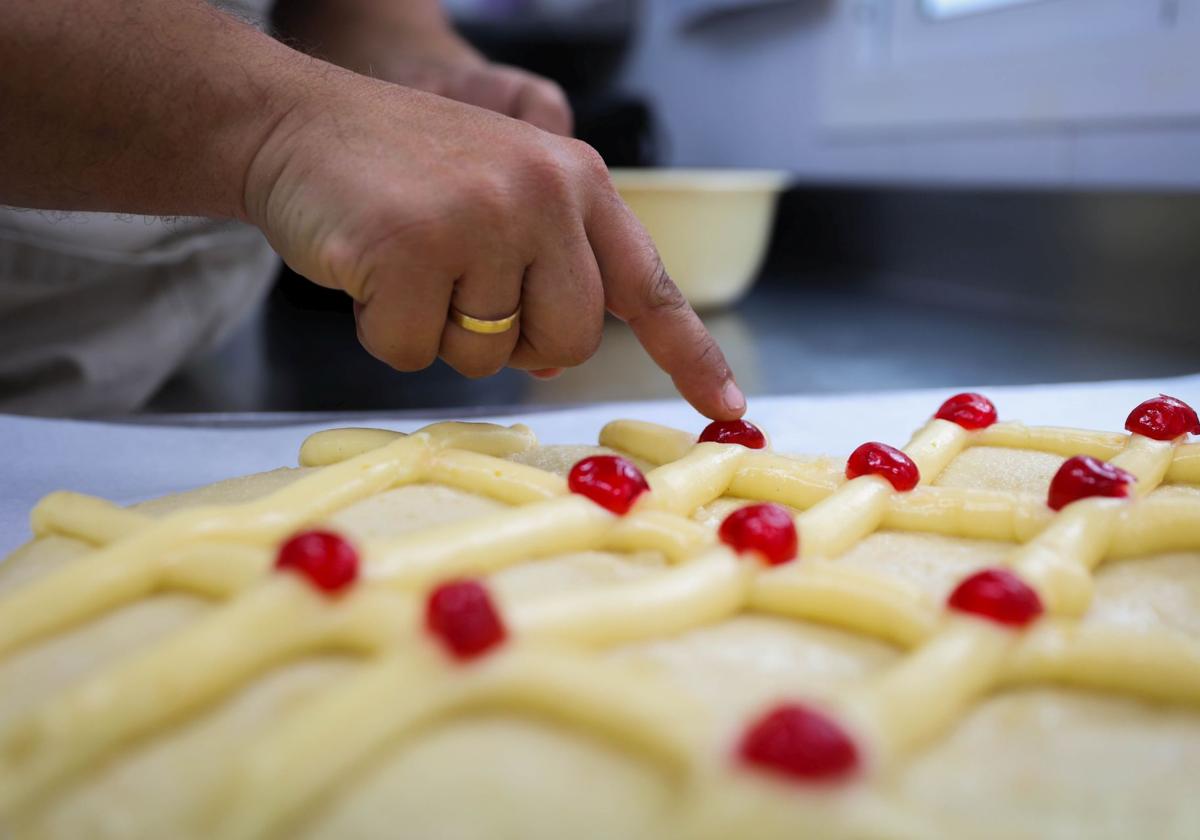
column 127, row 463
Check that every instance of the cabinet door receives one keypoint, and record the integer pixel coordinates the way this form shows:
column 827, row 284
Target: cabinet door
column 1054, row 63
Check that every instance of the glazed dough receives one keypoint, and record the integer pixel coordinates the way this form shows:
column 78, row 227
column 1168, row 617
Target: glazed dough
column 157, row 679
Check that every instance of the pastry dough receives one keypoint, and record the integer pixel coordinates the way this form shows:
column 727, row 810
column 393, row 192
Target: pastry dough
column 158, row 678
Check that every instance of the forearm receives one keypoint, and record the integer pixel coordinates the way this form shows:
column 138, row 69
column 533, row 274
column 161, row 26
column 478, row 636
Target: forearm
column 136, row 106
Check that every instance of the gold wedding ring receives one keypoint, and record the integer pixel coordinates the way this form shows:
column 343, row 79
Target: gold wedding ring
column 480, row 326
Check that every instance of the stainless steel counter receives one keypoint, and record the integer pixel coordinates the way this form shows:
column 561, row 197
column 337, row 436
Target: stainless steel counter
column 795, row 333
column 867, row 289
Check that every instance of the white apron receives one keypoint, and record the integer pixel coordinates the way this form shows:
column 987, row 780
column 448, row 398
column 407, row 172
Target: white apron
column 98, row 310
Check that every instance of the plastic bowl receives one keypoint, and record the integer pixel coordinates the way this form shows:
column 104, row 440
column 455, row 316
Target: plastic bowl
column 712, row 226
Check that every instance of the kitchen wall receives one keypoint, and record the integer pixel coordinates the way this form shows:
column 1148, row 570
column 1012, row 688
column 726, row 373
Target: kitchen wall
column 1087, row 93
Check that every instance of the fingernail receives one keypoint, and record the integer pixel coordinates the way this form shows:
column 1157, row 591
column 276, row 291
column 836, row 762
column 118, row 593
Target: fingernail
column 733, row 397
column 546, row 373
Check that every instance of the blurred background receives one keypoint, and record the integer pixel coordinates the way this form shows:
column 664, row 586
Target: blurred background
column 926, row 192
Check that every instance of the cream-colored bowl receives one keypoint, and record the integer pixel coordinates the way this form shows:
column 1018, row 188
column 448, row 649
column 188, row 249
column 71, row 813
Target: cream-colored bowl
column 712, row 226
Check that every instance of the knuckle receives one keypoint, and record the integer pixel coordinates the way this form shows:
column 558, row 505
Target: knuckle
column 550, row 177
column 662, row 295
column 573, row 354
column 710, row 354
column 476, row 368
column 492, row 201
column 401, row 357
column 589, row 161
column 579, row 345
column 588, row 345
column 410, row 361
column 508, row 82
column 552, row 91
column 337, row 264
column 550, row 94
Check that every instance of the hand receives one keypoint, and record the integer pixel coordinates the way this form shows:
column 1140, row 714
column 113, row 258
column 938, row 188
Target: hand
column 452, row 68
column 412, row 203
column 412, row 44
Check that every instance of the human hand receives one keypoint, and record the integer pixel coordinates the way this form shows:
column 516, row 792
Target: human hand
column 412, row 44
column 412, row 204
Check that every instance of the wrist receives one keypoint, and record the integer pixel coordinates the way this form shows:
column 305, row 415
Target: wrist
column 297, row 90
column 314, row 110
column 237, row 97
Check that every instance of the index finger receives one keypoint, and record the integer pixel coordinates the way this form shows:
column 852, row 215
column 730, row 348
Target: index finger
column 640, row 292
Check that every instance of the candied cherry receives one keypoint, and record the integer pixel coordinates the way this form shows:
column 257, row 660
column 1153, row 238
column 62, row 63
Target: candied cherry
column 796, row 741
column 461, row 614
column 971, row 411
column 1163, row 418
column 328, row 560
column 608, row 480
column 1084, row 476
column 887, row 461
column 764, row 528
column 740, row 432
column 999, row 595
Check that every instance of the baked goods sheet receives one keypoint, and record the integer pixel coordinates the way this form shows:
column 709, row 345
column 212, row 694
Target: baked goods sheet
column 129, row 463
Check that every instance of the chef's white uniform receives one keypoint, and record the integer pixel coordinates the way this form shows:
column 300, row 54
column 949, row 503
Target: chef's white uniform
column 98, row 310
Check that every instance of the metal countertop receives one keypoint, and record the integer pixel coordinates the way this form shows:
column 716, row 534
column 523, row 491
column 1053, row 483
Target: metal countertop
column 792, row 334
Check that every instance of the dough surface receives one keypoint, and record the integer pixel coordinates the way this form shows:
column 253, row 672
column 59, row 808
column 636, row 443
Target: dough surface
column 596, row 719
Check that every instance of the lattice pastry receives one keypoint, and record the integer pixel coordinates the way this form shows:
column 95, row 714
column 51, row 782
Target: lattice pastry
column 994, row 632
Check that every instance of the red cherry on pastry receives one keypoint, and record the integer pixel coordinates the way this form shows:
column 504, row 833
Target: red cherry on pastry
column 997, row 594
column 765, row 528
column 328, row 561
column 884, row 460
column 734, row 431
column 608, row 480
column 461, row 614
column 1084, row 476
column 971, row 411
column 796, row 741
column 1163, row 418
